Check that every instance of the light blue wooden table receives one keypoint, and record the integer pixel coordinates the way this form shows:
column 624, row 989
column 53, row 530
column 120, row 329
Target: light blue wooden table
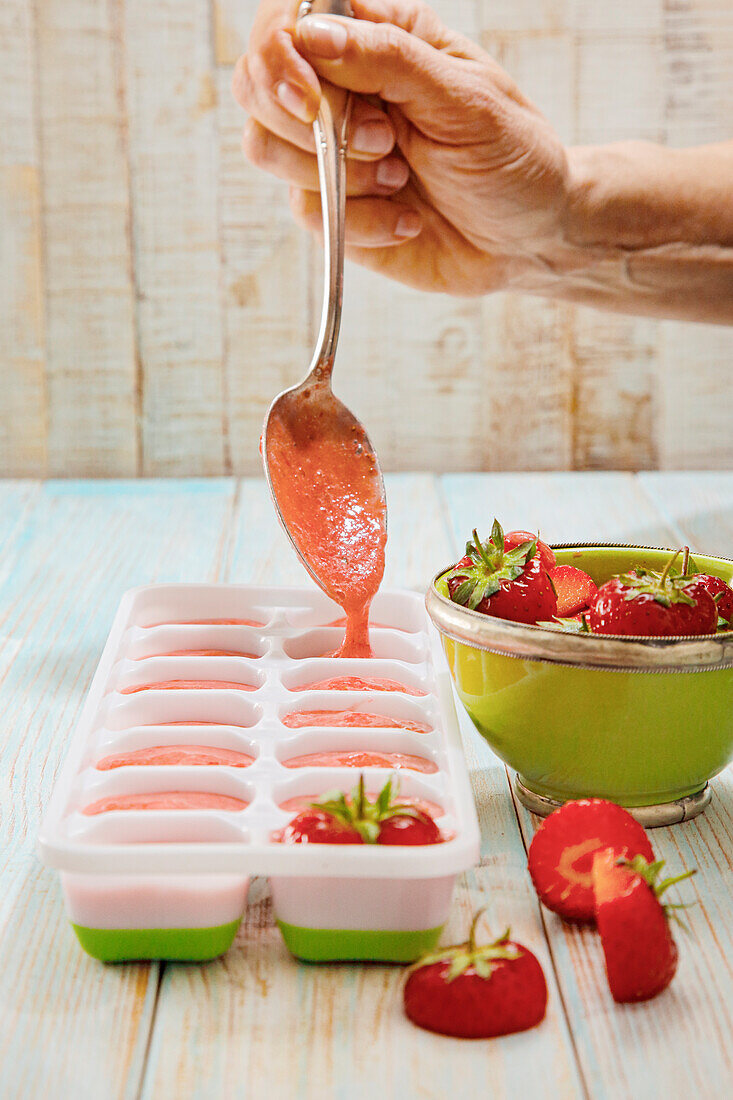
column 256, row 1024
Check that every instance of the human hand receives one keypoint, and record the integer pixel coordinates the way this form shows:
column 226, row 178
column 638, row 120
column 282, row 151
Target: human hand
column 456, row 183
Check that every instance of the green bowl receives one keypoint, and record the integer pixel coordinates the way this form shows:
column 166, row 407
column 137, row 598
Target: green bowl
column 645, row 722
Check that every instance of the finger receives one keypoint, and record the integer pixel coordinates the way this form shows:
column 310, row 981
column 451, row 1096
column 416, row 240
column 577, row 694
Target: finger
column 376, row 59
column 288, row 73
column 419, row 19
column 370, row 222
column 287, row 162
column 371, row 132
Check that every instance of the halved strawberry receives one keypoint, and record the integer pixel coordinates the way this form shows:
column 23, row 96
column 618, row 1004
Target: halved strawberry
column 722, row 595
column 574, row 590
column 473, row 992
column 562, row 850
column 640, row 953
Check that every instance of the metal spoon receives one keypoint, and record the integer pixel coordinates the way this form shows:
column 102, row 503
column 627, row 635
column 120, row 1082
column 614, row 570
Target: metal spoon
column 313, row 402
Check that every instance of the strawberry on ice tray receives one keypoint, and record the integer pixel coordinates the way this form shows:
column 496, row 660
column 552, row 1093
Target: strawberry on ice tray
column 215, row 716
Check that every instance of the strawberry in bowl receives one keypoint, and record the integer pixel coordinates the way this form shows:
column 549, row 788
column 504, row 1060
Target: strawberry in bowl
column 508, row 579
column 338, row 818
column 574, row 702
column 646, row 603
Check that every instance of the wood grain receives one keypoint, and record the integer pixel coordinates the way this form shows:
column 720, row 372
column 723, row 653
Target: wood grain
column 172, row 96
column 155, row 294
column 70, row 1026
column 256, row 1020
column 22, row 329
column 90, row 339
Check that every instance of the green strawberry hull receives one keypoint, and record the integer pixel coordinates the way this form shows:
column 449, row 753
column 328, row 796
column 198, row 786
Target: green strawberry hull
column 639, row 738
column 175, row 944
column 355, row 945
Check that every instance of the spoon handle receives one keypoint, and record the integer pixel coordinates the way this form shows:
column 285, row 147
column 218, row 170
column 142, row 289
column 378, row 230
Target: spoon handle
column 331, row 134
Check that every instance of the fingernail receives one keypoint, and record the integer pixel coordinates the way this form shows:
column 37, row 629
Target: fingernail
column 372, row 137
column 409, row 224
column 324, row 37
column 294, row 101
column 392, row 173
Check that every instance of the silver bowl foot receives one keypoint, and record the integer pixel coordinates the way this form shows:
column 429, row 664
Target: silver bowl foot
column 651, row 817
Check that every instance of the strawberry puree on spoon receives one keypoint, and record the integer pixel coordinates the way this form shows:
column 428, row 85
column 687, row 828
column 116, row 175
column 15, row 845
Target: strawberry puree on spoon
column 329, row 492
column 166, row 800
column 350, row 719
column 171, row 755
column 358, row 683
column 360, row 759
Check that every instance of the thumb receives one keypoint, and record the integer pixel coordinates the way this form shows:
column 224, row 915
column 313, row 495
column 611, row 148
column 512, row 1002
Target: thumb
column 381, row 59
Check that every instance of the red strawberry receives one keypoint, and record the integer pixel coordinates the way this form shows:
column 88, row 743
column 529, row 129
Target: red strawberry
column 476, row 992
column 574, row 588
column 641, row 955
column 510, row 584
column 544, row 553
column 562, row 850
column 355, row 819
column 318, row 827
column 721, row 593
column 652, row 605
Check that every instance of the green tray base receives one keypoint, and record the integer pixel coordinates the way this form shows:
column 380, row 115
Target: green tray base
column 353, row 945
column 181, row 944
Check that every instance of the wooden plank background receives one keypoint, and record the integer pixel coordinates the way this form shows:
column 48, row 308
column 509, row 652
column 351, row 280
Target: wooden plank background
column 154, row 294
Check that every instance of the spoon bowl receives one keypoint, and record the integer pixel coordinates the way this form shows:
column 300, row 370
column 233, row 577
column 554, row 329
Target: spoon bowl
column 320, row 466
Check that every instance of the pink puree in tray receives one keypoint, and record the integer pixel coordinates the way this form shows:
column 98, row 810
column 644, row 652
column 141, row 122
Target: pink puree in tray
column 178, row 685
column 356, row 759
column 176, row 754
column 167, row 800
column 303, row 802
column 208, row 622
column 203, row 653
column 329, row 492
column 358, row 683
column 350, row 719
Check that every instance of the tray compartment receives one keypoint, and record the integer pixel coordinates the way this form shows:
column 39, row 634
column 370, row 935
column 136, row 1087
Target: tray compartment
column 121, row 917
column 358, row 740
column 161, row 641
column 323, row 920
column 131, row 677
column 386, row 644
column 155, row 708
column 111, row 743
column 392, row 704
column 412, row 678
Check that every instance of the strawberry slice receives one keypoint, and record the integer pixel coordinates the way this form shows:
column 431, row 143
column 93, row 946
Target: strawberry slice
column 561, row 853
column 574, row 588
column 640, row 953
column 477, row 992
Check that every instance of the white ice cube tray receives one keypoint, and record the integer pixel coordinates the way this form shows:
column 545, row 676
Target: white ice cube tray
column 173, row 883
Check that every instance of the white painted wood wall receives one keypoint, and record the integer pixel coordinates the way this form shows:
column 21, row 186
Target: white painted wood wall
column 154, row 294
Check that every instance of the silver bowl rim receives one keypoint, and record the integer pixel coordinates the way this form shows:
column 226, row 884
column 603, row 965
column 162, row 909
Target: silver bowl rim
column 612, row 652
